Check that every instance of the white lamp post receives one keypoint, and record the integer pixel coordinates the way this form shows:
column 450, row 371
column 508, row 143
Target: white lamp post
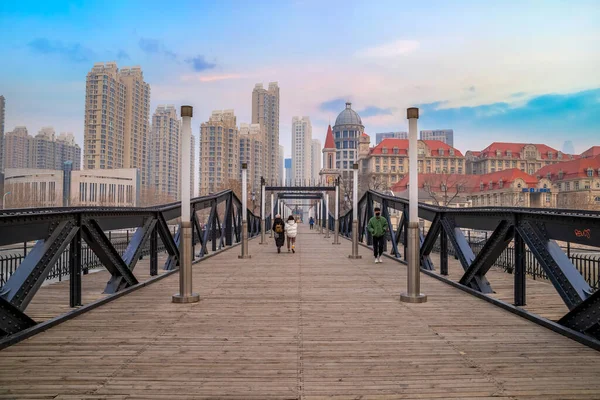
column 327, row 214
column 413, row 293
column 272, row 211
column 355, row 254
column 186, row 294
column 4, row 199
column 244, row 211
column 262, row 211
column 336, row 234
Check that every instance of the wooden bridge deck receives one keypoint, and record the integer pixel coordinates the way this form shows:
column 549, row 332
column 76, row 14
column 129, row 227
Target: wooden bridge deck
column 308, row 325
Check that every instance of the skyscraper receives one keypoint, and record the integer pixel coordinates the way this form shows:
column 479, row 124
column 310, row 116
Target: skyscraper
column 117, row 110
column 165, row 151
column 288, row 171
column 315, row 162
column 443, row 135
column 281, row 167
column 219, row 160
column 251, row 152
column 18, row 149
column 2, row 106
column 390, row 135
column 301, row 150
column 265, row 111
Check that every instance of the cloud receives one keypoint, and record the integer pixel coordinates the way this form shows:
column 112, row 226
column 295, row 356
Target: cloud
column 389, row 50
column 199, row 64
column 334, row 105
column 122, row 55
column 372, row 111
column 155, row 47
column 74, row 52
column 210, row 78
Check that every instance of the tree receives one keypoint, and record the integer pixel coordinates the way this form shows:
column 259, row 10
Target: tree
column 443, row 189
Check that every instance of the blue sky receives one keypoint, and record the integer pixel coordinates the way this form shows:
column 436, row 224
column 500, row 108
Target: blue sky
column 493, row 71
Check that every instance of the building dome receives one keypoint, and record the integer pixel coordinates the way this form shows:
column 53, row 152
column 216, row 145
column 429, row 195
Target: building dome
column 348, row 117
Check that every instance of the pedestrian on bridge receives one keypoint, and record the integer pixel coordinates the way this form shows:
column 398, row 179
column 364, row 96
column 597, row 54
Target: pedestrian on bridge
column 378, row 228
column 279, row 232
column 311, row 222
column 291, row 231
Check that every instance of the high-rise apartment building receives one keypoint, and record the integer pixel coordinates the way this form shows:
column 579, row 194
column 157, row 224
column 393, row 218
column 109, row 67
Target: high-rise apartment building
column 219, row 159
column 443, row 135
column 117, row 111
column 44, row 151
column 390, row 135
column 288, row 171
column 165, row 153
column 301, row 150
column 315, row 162
column 2, row 107
column 265, row 111
column 251, row 153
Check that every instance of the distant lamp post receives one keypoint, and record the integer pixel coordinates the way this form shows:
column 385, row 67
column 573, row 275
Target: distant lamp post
column 253, row 198
column 4, row 199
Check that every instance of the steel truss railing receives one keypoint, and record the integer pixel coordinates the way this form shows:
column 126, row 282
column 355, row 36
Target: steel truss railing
column 66, row 229
column 538, row 229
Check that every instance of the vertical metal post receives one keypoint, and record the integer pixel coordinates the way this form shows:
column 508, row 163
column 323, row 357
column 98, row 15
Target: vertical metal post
column 186, row 295
column 244, row 212
column 355, row 254
column 520, row 277
column 413, row 293
column 443, row 253
column 272, row 212
column 154, row 252
column 327, row 215
column 336, row 227
column 75, row 270
column 262, row 211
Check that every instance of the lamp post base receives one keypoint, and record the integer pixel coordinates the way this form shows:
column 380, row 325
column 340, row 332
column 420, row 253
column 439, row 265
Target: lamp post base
column 193, row 298
column 246, row 256
column 354, row 257
column 409, row 298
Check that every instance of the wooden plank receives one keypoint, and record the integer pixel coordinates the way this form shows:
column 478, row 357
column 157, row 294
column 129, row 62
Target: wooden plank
column 309, row 325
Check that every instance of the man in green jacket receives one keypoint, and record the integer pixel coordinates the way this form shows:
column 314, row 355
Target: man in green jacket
column 378, row 228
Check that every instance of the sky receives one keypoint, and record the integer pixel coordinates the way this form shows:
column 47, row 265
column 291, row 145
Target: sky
column 522, row 71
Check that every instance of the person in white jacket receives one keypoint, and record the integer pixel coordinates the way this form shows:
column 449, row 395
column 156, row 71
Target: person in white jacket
column 291, row 231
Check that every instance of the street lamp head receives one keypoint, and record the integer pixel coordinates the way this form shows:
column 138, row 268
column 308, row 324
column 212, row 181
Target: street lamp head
column 355, row 166
column 187, row 111
column 412, row 112
column 244, row 166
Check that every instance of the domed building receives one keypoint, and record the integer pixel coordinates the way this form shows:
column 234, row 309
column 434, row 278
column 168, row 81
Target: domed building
column 347, row 130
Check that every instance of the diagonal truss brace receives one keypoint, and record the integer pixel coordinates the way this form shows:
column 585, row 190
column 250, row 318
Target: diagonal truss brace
column 585, row 317
column 12, row 320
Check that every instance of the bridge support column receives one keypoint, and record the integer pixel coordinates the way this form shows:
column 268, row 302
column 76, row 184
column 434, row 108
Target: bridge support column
column 244, row 212
column 185, row 245
column 355, row 254
column 413, row 293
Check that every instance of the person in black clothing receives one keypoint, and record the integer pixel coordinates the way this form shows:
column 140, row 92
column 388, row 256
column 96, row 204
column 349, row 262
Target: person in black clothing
column 279, row 232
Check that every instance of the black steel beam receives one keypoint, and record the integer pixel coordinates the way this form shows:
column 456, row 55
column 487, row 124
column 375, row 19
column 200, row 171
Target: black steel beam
column 170, row 243
column 492, row 249
column 585, row 317
column 300, row 188
column 138, row 241
column 569, row 283
column 154, row 252
column 28, row 278
column 122, row 277
column 75, row 270
column 520, row 273
column 12, row 320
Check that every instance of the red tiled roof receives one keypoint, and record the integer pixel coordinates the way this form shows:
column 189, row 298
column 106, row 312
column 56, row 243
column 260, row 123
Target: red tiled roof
column 571, row 169
column 329, row 143
column 402, row 145
column 471, row 183
column 591, row 152
column 516, row 148
column 365, row 134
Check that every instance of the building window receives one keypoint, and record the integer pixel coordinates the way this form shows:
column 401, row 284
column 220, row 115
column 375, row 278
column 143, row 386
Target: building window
column 577, row 185
column 590, row 172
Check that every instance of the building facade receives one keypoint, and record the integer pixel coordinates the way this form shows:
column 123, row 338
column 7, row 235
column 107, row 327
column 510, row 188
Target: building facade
column 219, row 153
column 251, row 153
column 265, row 111
column 301, row 150
column 329, row 173
column 390, row 135
column 347, row 130
column 165, row 154
column 288, row 172
column 443, row 135
column 117, row 113
column 2, row 112
column 18, row 149
column 528, row 158
column 44, row 151
column 315, row 162
column 281, row 165
column 387, row 163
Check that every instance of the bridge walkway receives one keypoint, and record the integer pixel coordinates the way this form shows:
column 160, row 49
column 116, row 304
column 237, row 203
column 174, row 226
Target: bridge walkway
column 309, row 325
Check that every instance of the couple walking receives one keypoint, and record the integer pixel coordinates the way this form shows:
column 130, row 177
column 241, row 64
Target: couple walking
column 282, row 229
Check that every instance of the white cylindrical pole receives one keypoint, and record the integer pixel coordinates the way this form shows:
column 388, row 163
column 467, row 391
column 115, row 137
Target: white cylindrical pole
column 186, row 294
column 272, row 211
column 355, row 212
column 263, row 200
column 336, row 228
column 413, row 293
column 327, row 214
column 244, row 212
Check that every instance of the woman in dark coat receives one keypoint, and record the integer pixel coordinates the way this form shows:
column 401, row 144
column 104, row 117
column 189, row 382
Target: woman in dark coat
column 279, row 232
